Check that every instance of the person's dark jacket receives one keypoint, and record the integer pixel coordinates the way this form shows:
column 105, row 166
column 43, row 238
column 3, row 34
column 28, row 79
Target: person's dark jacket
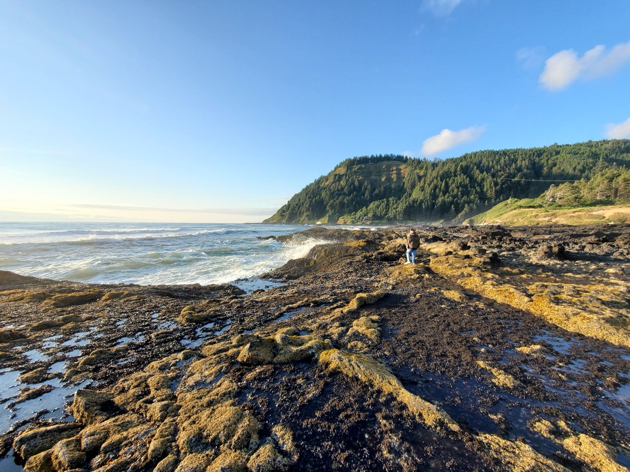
column 413, row 241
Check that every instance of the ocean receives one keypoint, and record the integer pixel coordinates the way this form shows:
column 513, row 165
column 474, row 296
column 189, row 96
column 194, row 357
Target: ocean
column 146, row 254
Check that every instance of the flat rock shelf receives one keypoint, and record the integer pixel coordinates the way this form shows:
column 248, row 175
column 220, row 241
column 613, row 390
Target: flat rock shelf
column 500, row 349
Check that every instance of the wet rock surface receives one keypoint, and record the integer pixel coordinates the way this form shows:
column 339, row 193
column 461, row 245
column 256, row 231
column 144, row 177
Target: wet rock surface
column 500, row 349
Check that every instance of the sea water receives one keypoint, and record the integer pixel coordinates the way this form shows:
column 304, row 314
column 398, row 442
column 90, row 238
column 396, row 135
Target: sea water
column 146, row 254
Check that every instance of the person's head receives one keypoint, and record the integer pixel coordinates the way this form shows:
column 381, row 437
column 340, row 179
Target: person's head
column 412, row 230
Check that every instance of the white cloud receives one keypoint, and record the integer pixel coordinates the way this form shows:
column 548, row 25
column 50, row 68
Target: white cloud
column 442, row 7
column 618, row 131
column 565, row 67
column 531, row 58
column 448, row 139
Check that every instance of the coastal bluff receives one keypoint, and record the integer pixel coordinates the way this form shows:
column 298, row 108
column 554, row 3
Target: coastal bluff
column 500, row 349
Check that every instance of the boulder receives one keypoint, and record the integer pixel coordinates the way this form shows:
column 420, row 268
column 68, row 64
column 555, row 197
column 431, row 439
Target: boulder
column 258, row 352
column 548, row 251
column 90, row 406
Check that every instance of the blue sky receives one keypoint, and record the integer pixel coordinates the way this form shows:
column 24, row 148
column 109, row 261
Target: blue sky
column 220, row 111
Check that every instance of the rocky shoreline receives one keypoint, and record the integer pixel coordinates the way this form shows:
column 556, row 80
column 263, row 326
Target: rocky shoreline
column 501, row 349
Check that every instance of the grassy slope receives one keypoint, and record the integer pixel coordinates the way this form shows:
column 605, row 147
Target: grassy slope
column 529, row 212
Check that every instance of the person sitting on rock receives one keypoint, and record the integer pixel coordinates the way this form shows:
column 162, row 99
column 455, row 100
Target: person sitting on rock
column 413, row 243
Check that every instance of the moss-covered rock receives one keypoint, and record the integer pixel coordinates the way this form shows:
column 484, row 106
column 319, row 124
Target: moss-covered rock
column 363, row 299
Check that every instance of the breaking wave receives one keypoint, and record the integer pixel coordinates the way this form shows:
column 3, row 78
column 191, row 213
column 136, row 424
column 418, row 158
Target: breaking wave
column 145, row 254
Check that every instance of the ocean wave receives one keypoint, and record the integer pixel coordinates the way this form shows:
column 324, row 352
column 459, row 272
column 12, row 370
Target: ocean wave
column 87, row 238
column 165, row 254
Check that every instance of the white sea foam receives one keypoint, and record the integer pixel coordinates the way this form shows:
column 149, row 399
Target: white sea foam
column 143, row 254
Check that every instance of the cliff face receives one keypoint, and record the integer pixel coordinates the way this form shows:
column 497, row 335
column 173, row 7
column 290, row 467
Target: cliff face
column 396, row 188
column 499, row 350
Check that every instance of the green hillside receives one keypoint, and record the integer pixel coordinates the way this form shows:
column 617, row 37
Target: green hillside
column 380, row 189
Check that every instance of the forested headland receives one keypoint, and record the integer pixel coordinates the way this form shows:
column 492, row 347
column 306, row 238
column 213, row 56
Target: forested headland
column 394, row 188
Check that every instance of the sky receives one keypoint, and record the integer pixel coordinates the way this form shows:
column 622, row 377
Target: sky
column 220, row 111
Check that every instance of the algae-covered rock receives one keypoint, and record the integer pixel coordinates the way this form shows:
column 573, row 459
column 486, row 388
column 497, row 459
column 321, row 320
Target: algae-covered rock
column 258, row 352
column 283, row 437
column 67, row 454
column 378, row 376
column 168, row 464
column 226, row 425
column 34, row 441
column 30, row 393
column 305, row 352
column 499, row 377
column 202, row 373
column 366, row 326
column 517, row 456
column 34, row 376
column 26, row 297
column 90, row 406
column 159, row 411
column 534, row 349
column 363, row 299
column 72, row 299
column 116, row 295
column 45, row 324
column 93, row 437
column 197, row 313
column 65, row 319
column 163, row 441
column 195, row 462
column 96, row 357
column 267, row 459
column 41, row 462
column 229, row 461
column 455, row 295
column 10, row 334
column 596, row 453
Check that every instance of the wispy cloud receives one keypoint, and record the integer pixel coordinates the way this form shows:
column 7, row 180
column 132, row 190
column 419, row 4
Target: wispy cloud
column 448, row 139
column 217, row 211
column 618, row 131
column 441, row 7
column 565, row 67
column 531, row 58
